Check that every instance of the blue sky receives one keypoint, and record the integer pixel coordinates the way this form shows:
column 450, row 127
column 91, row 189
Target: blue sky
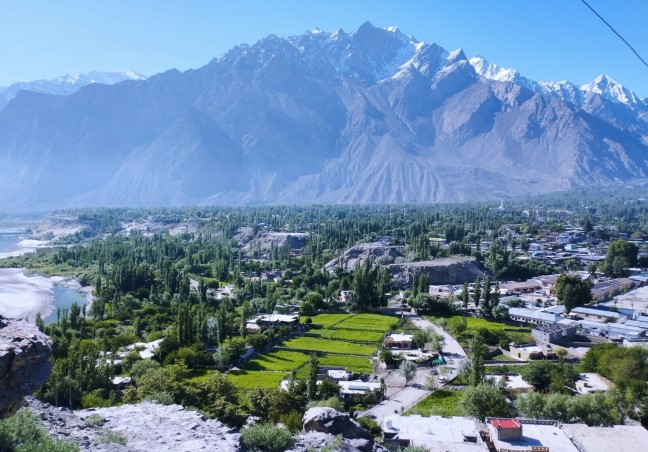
column 544, row 39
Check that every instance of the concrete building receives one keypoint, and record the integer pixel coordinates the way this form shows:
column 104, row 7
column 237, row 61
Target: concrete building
column 400, row 341
column 508, row 435
column 555, row 333
column 589, row 382
column 532, row 316
column 597, row 315
column 436, row 433
column 619, row 438
column 526, row 352
column 514, row 383
column 610, row 330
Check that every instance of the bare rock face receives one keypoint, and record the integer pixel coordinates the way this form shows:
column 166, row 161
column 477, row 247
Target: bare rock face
column 144, row 426
column 329, row 420
column 452, row 270
column 24, row 362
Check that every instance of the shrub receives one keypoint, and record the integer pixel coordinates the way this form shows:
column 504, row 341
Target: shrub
column 23, row 433
column 371, row 425
column 267, row 437
column 112, row 438
column 95, row 421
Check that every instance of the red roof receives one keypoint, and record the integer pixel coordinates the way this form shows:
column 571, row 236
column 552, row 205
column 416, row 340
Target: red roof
column 505, row 423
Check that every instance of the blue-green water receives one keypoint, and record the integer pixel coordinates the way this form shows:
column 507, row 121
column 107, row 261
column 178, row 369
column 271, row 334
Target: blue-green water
column 6, row 243
column 64, row 297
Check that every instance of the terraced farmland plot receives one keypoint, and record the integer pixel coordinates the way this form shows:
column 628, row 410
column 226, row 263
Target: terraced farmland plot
column 247, row 380
column 281, row 360
column 368, row 322
column 330, row 346
column 353, row 363
column 325, row 320
column 370, row 337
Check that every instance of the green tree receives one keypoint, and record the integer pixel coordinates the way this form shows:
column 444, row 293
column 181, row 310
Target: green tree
column 408, row 370
column 477, row 294
column 465, row 296
column 483, row 400
column 311, row 382
column 620, row 255
column 572, row 291
column 477, row 351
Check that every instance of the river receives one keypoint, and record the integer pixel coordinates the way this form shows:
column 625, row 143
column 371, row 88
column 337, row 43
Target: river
column 64, row 298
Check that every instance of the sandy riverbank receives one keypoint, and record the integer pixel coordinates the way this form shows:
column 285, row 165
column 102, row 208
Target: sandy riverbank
column 24, row 296
column 23, row 247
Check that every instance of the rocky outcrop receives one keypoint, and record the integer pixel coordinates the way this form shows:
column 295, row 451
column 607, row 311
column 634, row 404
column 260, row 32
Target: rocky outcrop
column 377, row 252
column 453, row 270
column 312, row 441
column 331, row 421
column 24, row 362
column 145, row 426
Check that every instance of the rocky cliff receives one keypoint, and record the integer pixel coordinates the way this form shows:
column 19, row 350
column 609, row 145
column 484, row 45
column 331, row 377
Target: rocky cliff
column 24, row 362
column 453, row 270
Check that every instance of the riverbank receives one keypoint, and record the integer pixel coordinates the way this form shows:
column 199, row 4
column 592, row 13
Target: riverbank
column 25, row 296
column 23, row 247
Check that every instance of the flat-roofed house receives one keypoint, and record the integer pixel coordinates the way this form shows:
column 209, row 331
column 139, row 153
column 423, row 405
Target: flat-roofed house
column 400, row 341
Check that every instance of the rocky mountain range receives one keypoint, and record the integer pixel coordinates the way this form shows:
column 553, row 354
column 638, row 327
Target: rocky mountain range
column 66, row 84
column 371, row 116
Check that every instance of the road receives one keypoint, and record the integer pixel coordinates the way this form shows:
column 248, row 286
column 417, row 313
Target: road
column 401, row 398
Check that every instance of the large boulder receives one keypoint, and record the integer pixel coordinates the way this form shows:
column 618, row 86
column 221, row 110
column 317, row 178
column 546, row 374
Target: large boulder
column 24, row 362
column 329, row 420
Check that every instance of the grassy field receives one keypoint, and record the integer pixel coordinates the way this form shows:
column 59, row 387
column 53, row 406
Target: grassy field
column 353, row 363
column 280, row 360
column 330, row 346
column 440, row 403
column 325, row 320
column 515, row 333
column 369, row 322
column 369, row 337
column 246, row 380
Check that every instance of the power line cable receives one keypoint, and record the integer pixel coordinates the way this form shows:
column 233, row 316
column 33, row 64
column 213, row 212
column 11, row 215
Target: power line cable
column 615, row 32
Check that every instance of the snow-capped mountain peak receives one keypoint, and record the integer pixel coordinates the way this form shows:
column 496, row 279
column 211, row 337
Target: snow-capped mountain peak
column 609, row 88
column 495, row 72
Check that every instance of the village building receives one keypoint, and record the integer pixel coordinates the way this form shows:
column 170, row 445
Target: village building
column 399, row 341
column 513, row 383
column 533, row 316
column 451, row 434
column 597, row 315
column 589, row 382
column 556, row 333
column 526, row 352
column 508, row 435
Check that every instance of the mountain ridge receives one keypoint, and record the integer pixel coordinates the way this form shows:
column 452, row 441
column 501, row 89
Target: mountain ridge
column 370, row 116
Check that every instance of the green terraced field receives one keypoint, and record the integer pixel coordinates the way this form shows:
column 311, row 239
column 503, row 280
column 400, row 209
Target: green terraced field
column 368, row 322
column 252, row 379
column 440, row 403
column 281, row 360
column 370, row 337
column 325, row 320
column 330, row 346
column 353, row 363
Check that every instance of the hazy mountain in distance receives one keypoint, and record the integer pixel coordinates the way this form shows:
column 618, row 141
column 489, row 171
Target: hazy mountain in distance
column 66, row 84
column 370, row 116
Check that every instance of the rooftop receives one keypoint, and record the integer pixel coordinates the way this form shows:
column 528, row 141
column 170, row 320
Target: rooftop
column 605, row 439
column 400, row 337
column 592, row 382
column 534, row 314
column 598, row 312
column 536, row 433
column 513, row 381
column 436, row 432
